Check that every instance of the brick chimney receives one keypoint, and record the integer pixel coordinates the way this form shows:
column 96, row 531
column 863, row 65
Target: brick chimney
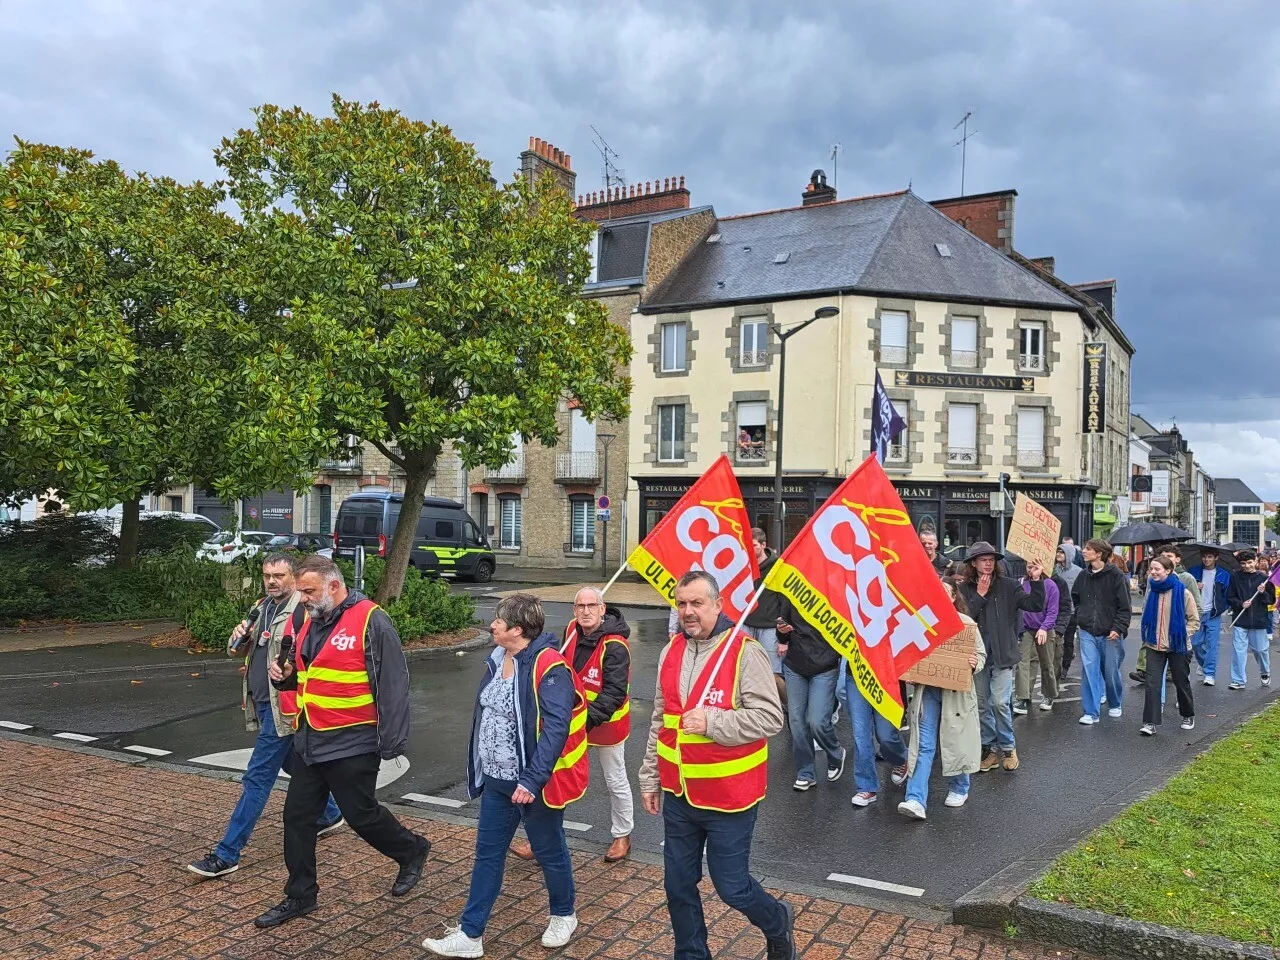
column 652, row 196
column 1046, row 264
column 988, row 216
column 818, row 190
column 542, row 156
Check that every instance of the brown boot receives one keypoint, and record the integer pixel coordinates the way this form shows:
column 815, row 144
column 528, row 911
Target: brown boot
column 620, row 849
column 522, row 849
column 1011, row 760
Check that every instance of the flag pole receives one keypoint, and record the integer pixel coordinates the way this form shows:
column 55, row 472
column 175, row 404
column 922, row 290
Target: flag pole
column 737, row 628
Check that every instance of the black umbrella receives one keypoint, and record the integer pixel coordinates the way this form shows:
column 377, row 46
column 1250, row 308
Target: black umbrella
column 1236, row 547
column 1133, row 534
column 1191, row 554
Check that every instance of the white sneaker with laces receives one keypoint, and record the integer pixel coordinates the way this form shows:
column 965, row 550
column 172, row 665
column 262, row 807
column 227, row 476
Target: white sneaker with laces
column 1088, row 719
column 559, row 930
column 1046, row 704
column 1188, row 723
column 455, row 943
column 863, row 798
column 911, row 809
column 1115, row 712
column 1147, row 730
column 1208, row 681
column 956, row 799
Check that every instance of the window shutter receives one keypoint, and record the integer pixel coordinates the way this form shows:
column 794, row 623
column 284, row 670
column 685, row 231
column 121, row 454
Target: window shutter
column 962, row 426
column 1031, row 429
column 964, row 334
column 751, row 414
column 893, row 329
column 582, row 436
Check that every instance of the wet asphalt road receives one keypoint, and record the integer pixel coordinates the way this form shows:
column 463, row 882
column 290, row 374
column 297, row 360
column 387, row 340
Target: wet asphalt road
column 131, row 695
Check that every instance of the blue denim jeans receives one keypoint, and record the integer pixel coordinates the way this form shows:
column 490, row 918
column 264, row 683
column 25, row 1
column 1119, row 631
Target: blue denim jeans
column 810, row 703
column 1100, row 662
column 499, row 817
column 727, row 840
column 1205, row 644
column 994, row 686
column 927, row 732
column 1244, row 640
column 271, row 754
column 868, row 727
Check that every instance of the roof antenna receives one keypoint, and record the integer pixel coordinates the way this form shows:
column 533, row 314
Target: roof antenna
column 835, row 164
column 611, row 175
column 963, row 144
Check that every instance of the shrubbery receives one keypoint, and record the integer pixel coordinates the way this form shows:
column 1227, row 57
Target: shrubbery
column 424, row 606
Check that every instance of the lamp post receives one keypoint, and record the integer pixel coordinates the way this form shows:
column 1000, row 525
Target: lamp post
column 822, row 313
column 606, row 439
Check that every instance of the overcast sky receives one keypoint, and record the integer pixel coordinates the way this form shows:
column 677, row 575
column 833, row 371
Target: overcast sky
column 1143, row 138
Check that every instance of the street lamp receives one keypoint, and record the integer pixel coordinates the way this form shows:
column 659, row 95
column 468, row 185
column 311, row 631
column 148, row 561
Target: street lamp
column 822, row 313
column 606, row 439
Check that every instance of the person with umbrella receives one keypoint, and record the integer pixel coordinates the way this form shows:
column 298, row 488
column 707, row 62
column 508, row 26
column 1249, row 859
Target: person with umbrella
column 1215, row 582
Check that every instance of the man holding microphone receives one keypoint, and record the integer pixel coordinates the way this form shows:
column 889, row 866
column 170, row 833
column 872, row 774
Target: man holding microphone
column 258, row 638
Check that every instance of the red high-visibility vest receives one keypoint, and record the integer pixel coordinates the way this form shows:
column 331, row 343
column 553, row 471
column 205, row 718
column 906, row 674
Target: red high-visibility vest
column 708, row 775
column 334, row 689
column 568, row 781
column 618, row 727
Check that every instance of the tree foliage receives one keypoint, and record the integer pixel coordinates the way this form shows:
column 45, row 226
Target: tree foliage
column 428, row 305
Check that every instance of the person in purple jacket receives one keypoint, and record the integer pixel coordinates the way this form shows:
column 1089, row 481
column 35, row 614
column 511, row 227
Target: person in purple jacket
column 1039, row 640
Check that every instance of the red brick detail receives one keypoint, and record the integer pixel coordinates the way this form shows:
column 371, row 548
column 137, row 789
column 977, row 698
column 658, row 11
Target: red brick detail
column 652, row 196
column 479, row 488
column 579, row 489
column 988, row 216
column 501, row 488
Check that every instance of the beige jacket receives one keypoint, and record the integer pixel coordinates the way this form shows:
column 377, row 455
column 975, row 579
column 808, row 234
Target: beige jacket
column 759, row 713
column 284, row 726
column 959, row 730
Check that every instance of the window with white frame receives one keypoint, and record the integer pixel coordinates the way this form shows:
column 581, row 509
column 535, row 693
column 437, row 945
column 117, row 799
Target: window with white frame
column 509, row 522
column 751, row 431
column 753, row 343
column 1031, row 437
column 1031, row 347
column 673, row 344
column 897, row 452
column 582, row 525
column 962, row 434
column 893, row 336
column 671, row 433
column 964, row 342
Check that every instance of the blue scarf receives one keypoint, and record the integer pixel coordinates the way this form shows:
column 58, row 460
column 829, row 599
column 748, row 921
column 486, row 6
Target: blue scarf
column 1177, row 613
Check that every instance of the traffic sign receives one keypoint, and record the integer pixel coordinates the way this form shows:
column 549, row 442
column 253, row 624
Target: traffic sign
column 604, row 515
column 603, row 503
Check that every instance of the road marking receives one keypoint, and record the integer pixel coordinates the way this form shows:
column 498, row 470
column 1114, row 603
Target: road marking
column 388, row 771
column 438, row 801
column 574, row 825
column 78, row 737
column 14, row 725
column 876, row 884
column 1067, row 700
column 149, row 751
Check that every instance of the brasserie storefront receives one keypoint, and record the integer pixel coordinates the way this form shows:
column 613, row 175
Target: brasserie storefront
column 960, row 513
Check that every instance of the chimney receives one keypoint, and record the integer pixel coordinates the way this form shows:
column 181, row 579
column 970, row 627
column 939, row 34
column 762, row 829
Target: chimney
column 652, row 196
column 988, row 216
column 541, row 157
column 818, row 190
column 1044, row 263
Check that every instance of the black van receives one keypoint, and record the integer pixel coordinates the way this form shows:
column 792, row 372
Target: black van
column 448, row 541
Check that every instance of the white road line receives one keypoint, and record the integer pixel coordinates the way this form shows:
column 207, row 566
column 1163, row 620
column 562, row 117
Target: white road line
column 574, row 825
column 14, row 725
column 876, row 884
column 1067, row 700
column 149, row 751
column 438, row 801
column 78, row 737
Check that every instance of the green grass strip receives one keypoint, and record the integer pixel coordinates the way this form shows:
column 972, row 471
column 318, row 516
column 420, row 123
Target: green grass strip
column 1203, row 853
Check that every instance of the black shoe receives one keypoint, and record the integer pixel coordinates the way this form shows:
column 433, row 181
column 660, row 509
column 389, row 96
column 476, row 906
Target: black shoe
column 213, row 866
column 1138, row 676
column 284, row 911
column 411, row 872
column 784, row 948
column 324, row 828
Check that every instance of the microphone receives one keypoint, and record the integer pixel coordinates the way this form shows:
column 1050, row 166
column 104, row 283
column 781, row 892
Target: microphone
column 286, row 642
column 252, row 619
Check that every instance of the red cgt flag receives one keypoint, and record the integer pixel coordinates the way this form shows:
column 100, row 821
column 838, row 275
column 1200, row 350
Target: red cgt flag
column 858, row 574
column 707, row 530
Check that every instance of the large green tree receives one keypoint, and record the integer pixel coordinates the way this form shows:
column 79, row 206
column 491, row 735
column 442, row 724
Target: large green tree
column 427, row 304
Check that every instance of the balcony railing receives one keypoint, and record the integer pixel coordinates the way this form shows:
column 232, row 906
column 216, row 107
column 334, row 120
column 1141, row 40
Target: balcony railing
column 751, row 453
column 352, row 463
column 962, row 456
column 1031, row 362
column 1031, row 458
column 578, row 465
column 897, row 453
column 753, row 358
column 513, row 470
column 893, row 354
column 967, row 359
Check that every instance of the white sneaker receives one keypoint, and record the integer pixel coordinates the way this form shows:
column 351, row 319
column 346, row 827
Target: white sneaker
column 1208, row 681
column 956, row 799
column 1147, row 730
column 863, row 798
column 559, row 930
column 1115, row 713
column 1088, row 719
column 911, row 809
column 455, row 943
column 1188, row 723
column 1046, row 704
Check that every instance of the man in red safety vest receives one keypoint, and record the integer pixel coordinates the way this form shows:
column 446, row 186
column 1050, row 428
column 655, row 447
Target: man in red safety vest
column 715, row 707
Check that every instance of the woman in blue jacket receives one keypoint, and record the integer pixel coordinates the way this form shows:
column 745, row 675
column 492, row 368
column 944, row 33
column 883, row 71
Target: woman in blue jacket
column 518, row 733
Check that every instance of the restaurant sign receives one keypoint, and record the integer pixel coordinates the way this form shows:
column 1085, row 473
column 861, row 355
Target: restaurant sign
column 963, row 381
column 1095, row 388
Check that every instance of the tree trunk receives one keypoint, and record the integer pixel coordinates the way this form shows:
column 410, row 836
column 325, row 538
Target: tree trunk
column 127, row 551
column 419, row 469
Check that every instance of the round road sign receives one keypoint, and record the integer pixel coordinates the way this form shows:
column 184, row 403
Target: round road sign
column 603, row 503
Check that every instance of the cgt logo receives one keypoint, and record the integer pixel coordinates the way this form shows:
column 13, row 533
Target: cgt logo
column 342, row 641
column 715, row 697
column 720, row 554
column 593, row 673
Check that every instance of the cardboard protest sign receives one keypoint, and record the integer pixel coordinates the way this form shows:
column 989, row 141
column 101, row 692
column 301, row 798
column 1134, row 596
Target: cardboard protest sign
column 948, row 665
column 1033, row 535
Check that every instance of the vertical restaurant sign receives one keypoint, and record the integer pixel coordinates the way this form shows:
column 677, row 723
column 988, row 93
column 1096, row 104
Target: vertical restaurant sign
column 1095, row 388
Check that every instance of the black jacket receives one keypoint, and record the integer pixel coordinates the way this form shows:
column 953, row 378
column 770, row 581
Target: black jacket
column 769, row 607
column 1102, row 601
column 1066, row 607
column 615, row 670
column 1244, row 586
column 940, row 563
column 998, row 615
column 808, row 652
column 389, row 679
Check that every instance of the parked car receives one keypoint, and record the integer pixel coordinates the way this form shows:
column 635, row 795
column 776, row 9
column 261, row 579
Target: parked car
column 448, row 541
column 228, row 547
column 300, row 543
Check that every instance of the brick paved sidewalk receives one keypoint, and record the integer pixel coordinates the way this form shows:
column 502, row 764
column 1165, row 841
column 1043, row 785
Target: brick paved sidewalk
column 93, row 850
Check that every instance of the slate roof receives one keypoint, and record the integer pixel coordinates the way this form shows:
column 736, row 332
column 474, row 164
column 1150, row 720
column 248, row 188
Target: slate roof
column 881, row 245
column 1231, row 490
column 622, row 254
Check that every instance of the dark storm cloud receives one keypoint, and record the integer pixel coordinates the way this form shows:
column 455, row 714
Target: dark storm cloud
column 1141, row 137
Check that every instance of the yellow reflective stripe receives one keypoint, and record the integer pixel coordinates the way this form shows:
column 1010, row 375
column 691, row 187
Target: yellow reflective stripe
column 591, row 694
column 668, row 753
column 671, row 721
column 725, row 768
column 301, row 675
column 685, row 737
column 578, row 722
column 335, row 703
column 338, row 676
column 572, row 757
column 622, row 711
